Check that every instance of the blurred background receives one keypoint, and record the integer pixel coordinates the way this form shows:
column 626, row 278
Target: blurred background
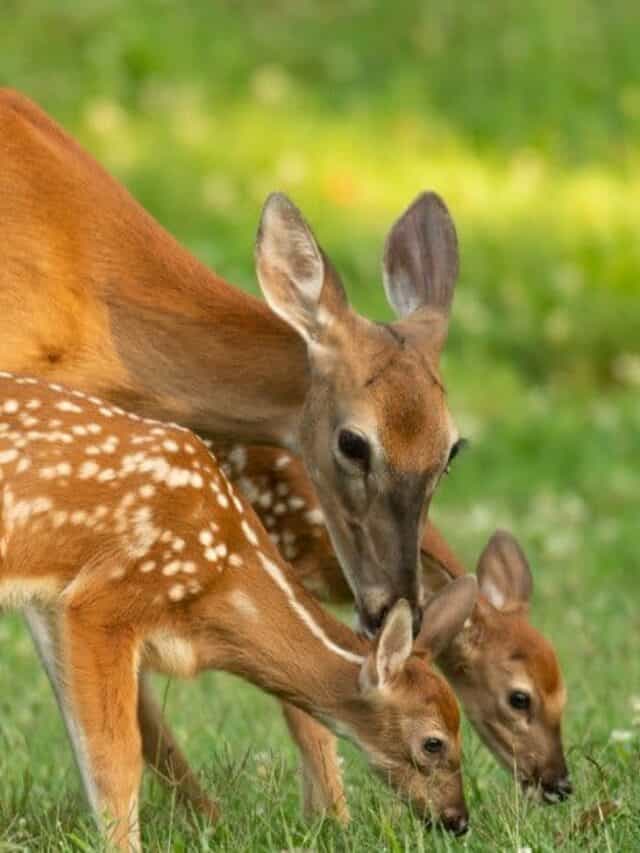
column 525, row 117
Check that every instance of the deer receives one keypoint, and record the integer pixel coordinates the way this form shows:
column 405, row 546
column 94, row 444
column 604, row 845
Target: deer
column 505, row 672
column 96, row 295
column 128, row 539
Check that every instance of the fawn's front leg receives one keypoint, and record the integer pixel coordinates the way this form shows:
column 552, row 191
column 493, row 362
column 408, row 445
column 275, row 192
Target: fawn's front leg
column 161, row 752
column 322, row 790
column 99, row 668
column 163, row 755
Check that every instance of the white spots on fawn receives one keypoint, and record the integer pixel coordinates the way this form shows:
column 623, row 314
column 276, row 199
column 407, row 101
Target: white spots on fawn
column 170, row 445
column 176, row 592
column 178, row 477
column 282, row 462
column 178, row 544
column 10, row 406
column 59, row 518
column 147, row 566
column 51, row 472
column 223, row 500
column 79, row 516
column 249, row 532
column 33, row 404
column 68, row 406
column 236, row 561
column 88, row 470
column 106, row 475
column 296, row 503
column 211, row 555
column 238, row 457
column 172, row 568
column 205, row 537
column 196, row 480
column 106, row 412
column 314, row 516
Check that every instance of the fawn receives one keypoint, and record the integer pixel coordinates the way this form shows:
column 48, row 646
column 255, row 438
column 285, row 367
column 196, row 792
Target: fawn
column 128, row 539
column 505, row 672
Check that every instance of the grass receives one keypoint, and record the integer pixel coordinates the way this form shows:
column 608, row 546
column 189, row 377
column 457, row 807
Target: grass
column 526, row 117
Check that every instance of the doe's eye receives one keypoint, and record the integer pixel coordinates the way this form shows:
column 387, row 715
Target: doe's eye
column 355, row 448
column 520, row 700
column 460, row 444
column 432, row 745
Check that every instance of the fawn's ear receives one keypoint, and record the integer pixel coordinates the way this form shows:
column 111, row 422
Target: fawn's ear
column 391, row 649
column 503, row 572
column 420, row 266
column 446, row 613
column 296, row 279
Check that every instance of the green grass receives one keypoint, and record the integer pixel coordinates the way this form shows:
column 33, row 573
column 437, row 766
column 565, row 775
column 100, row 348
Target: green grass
column 526, row 117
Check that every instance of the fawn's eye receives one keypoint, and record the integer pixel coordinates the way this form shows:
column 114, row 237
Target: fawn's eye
column 432, row 745
column 520, row 700
column 460, row 444
column 355, row 448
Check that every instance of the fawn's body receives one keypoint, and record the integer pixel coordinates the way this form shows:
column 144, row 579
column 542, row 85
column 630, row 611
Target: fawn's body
column 132, row 550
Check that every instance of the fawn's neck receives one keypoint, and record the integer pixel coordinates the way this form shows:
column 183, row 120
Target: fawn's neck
column 274, row 634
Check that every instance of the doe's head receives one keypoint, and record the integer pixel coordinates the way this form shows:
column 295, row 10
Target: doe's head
column 376, row 434
column 507, row 674
column 405, row 716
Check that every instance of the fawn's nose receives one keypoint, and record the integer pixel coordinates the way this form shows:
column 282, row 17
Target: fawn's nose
column 455, row 821
column 557, row 790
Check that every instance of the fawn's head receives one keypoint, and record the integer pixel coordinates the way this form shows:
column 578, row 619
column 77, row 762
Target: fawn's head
column 375, row 434
column 507, row 674
column 406, row 717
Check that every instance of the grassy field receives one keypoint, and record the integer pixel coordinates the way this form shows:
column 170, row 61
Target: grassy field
column 526, row 118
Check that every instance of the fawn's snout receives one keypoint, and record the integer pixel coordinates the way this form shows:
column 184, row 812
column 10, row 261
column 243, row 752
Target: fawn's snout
column 456, row 821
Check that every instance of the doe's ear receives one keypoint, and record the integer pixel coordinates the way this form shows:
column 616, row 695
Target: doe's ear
column 446, row 613
column 420, row 265
column 503, row 572
column 292, row 270
column 391, row 648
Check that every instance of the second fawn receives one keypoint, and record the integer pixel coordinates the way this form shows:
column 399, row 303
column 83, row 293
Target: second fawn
column 132, row 550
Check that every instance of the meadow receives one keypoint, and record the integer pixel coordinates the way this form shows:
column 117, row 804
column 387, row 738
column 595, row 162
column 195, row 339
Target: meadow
column 526, row 118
